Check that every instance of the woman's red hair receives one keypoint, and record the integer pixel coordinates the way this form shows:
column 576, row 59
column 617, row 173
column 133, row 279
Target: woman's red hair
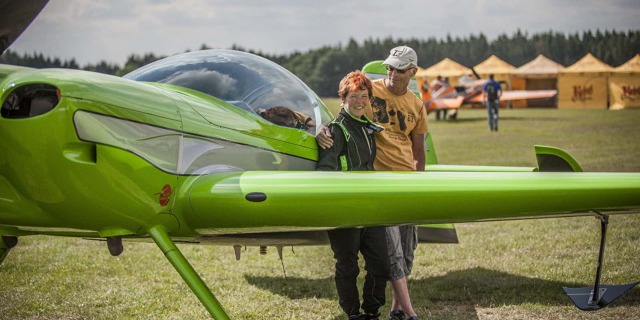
column 354, row 81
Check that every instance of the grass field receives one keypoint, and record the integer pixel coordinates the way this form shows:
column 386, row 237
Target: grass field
column 499, row 270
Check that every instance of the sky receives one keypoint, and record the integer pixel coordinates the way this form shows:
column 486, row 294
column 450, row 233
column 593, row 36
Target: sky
column 112, row 30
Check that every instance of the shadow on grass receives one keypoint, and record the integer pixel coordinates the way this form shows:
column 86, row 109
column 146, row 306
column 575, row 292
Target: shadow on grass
column 460, row 120
column 463, row 119
column 454, row 295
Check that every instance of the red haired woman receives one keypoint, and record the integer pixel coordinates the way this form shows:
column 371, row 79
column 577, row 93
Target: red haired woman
column 354, row 149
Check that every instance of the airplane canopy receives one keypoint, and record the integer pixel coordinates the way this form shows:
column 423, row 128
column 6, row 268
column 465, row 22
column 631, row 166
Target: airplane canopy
column 244, row 80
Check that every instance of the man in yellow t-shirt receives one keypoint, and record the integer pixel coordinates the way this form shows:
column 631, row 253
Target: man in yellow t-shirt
column 400, row 147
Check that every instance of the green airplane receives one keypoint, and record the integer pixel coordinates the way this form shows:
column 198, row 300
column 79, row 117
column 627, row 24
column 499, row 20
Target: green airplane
column 180, row 151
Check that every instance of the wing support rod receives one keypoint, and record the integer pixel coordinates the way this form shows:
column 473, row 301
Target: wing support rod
column 161, row 237
column 598, row 296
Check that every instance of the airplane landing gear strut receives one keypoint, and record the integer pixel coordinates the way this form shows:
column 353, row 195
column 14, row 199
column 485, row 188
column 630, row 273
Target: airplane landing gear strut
column 598, row 296
column 161, row 237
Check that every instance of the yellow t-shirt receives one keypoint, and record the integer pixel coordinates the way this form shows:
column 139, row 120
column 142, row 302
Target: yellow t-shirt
column 400, row 116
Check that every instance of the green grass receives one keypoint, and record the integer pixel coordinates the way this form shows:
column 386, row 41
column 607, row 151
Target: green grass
column 500, row 270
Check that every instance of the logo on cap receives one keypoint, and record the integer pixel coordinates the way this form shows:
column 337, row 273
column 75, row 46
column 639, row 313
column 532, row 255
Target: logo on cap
column 401, row 57
column 398, row 52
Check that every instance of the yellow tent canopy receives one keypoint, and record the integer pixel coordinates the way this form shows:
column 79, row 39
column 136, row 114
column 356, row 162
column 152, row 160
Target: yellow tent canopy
column 499, row 69
column 584, row 84
column 496, row 66
column 540, row 73
column 588, row 64
column 631, row 66
column 445, row 68
column 540, row 67
column 624, row 85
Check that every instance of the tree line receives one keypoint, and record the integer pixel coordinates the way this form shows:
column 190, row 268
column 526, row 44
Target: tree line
column 322, row 68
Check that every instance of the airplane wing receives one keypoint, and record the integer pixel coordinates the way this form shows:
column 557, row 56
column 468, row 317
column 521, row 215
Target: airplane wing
column 527, row 94
column 261, row 201
column 445, row 103
column 445, row 98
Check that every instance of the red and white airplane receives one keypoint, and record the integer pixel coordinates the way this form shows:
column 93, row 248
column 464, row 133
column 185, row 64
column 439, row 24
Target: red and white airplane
column 470, row 91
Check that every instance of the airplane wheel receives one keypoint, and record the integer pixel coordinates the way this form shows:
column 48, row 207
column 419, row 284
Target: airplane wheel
column 115, row 245
column 10, row 241
column 453, row 114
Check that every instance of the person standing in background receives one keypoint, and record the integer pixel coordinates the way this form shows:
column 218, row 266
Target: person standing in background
column 492, row 92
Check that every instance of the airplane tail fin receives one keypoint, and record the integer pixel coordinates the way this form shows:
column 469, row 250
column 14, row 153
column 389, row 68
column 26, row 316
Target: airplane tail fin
column 551, row 159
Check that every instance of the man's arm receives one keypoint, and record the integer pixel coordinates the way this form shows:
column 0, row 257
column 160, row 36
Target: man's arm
column 323, row 138
column 417, row 146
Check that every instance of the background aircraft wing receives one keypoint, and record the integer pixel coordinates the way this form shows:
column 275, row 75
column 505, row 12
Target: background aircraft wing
column 527, row 94
column 446, row 103
column 510, row 95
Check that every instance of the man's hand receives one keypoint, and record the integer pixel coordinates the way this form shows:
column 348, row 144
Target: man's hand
column 323, row 137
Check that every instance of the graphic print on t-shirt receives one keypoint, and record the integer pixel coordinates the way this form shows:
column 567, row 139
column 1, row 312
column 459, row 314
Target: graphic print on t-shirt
column 383, row 114
column 379, row 107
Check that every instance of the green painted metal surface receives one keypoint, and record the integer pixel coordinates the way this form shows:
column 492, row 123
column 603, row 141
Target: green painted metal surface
column 186, row 271
column 382, row 198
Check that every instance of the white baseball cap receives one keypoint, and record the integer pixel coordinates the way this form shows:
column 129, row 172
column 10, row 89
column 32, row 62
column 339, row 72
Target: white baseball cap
column 402, row 57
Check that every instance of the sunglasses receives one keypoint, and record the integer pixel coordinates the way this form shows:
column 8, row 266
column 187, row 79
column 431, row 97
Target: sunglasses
column 400, row 71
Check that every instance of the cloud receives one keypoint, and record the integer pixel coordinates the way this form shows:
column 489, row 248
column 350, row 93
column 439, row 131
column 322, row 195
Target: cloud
column 91, row 31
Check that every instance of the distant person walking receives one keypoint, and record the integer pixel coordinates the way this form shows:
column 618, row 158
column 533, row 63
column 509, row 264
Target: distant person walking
column 492, row 92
